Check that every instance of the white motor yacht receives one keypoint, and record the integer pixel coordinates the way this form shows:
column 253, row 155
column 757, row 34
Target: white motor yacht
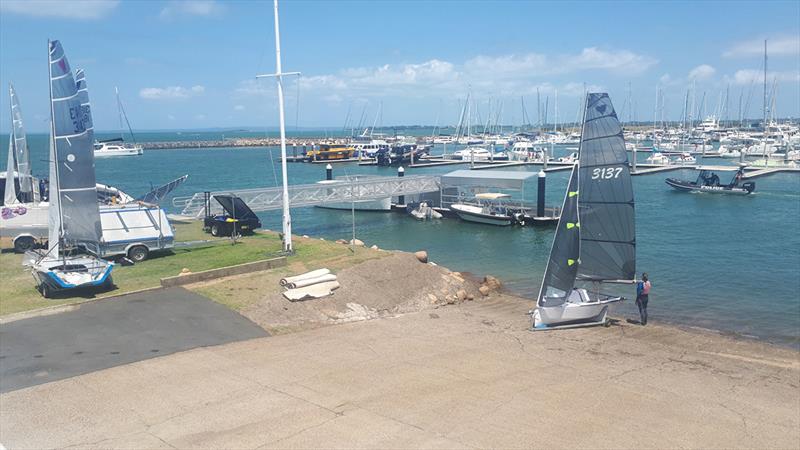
column 116, row 147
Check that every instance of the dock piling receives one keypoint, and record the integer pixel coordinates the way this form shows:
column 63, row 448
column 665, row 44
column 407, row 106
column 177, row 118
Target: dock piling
column 401, row 200
column 329, row 172
column 540, row 191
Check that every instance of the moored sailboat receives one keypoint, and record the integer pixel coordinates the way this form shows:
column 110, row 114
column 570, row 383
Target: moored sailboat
column 595, row 242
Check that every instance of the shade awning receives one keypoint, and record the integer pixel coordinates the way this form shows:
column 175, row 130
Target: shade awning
column 503, row 179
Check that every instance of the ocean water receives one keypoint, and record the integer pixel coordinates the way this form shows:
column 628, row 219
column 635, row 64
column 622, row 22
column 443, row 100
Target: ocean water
column 725, row 263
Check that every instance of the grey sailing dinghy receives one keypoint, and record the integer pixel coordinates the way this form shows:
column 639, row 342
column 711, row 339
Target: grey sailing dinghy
column 71, row 260
column 595, row 242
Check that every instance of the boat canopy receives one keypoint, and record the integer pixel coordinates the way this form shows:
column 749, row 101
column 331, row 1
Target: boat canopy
column 491, row 196
column 490, row 178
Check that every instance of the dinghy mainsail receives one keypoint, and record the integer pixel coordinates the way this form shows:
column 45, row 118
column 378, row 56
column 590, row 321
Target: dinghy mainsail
column 596, row 237
column 18, row 159
column 76, row 217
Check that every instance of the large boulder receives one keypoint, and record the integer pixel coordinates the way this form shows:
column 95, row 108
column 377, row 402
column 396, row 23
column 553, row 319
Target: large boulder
column 357, row 242
column 422, row 256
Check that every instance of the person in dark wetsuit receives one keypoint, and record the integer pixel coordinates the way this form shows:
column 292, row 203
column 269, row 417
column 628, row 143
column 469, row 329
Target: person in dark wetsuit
column 642, row 297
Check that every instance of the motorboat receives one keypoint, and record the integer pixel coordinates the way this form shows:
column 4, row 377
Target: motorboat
column 527, row 151
column 487, row 211
column 658, row 158
column 685, row 158
column 708, row 182
column 595, row 242
column 422, row 211
column 325, row 152
column 726, row 152
column 116, row 147
column 571, row 158
column 402, row 153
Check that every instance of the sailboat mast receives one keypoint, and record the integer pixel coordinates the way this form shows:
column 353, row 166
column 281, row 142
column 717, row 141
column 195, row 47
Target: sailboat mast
column 119, row 113
column 287, row 220
column 54, row 184
column 765, row 88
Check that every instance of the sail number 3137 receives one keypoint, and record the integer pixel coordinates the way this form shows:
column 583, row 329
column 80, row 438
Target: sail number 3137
column 606, row 173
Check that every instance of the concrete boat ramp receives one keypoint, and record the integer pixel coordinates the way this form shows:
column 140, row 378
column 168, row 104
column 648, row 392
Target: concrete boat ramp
column 462, row 376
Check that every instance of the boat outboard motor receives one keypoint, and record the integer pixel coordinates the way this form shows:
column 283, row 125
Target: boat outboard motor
column 749, row 186
column 519, row 217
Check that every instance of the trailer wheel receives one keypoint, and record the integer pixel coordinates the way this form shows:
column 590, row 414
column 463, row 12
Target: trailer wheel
column 215, row 230
column 23, row 243
column 45, row 290
column 138, row 253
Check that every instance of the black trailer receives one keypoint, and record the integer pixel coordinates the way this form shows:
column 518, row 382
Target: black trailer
column 237, row 219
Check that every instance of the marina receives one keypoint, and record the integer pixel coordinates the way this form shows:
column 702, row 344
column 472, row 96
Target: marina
column 399, row 239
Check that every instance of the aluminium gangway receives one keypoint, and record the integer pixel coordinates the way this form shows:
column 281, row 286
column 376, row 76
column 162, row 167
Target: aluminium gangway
column 347, row 189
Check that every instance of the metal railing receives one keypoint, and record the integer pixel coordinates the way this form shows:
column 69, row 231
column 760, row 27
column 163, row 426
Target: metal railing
column 338, row 190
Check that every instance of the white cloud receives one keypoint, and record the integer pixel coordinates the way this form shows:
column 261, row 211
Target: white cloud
column 702, row 72
column 534, row 64
column 74, row 9
column 504, row 75
column 171, row 92
column 170, row 117
column 748, row 76
column 777, row 46
column 239, row 108
column 200, row 117
column 178, row 8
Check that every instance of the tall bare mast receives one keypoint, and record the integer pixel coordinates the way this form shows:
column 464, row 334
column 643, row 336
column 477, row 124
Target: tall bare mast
column 287, row 220
column 765, row 86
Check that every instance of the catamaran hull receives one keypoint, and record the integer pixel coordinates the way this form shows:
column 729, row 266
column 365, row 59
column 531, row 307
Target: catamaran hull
column 687, row 186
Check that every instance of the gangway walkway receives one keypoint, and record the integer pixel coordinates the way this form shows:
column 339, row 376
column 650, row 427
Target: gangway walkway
column 345, row 189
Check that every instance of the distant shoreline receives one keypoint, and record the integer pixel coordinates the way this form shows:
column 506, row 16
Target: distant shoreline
column 299, row 143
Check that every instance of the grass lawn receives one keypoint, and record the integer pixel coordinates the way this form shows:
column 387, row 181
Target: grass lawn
column 17, row 286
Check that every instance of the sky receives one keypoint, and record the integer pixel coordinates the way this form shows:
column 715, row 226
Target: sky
column 192, row 64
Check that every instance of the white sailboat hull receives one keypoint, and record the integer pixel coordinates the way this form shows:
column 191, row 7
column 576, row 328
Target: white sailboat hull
column 579, row 310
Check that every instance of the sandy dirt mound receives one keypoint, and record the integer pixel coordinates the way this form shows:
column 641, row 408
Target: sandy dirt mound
column 383, row 287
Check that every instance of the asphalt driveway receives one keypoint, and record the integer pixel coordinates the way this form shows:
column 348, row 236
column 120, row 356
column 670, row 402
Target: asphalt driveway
column 113, row 332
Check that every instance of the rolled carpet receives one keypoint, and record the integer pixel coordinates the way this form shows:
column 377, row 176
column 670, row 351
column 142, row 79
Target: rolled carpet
column 312, row 274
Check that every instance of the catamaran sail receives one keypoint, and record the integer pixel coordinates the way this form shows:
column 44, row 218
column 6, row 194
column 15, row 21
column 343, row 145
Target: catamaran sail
column 18, row 159
column 77, row 217
column 596, row 238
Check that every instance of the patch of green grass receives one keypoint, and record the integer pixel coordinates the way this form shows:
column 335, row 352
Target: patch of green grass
column 17, row 286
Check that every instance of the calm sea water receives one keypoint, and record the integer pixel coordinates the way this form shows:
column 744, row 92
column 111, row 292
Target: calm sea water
column 725, row 263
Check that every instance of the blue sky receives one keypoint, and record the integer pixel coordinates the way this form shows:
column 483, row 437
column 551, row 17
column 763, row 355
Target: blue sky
column 192, row 64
